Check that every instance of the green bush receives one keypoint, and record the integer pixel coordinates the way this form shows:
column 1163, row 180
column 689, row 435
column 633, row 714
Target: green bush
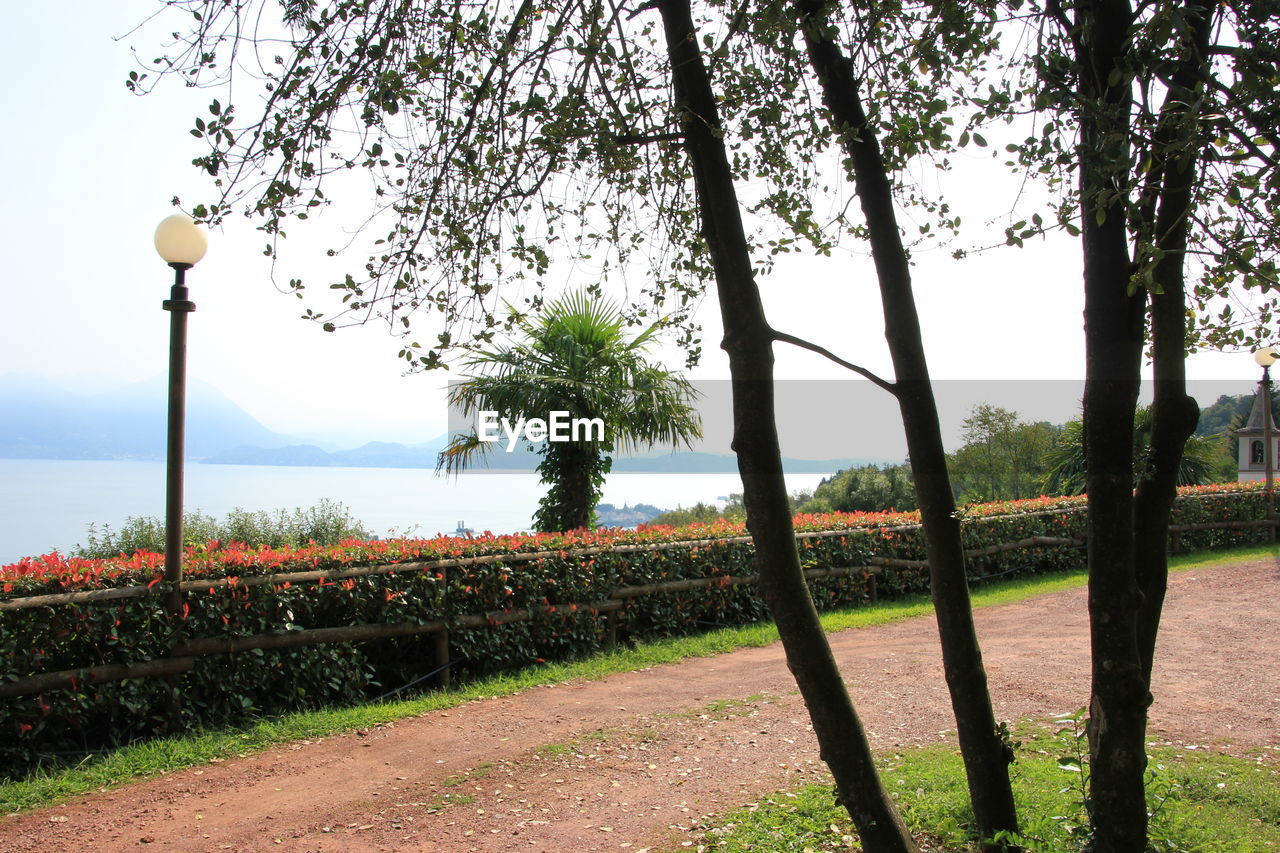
column 226, row 689
column 327, row 523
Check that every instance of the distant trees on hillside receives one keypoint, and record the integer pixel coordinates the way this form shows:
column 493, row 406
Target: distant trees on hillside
column 1006, row 458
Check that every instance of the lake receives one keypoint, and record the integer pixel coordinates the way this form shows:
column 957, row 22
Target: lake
column 47, row 504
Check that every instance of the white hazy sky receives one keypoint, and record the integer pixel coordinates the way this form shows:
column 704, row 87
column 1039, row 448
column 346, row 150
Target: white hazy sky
column 90, row 169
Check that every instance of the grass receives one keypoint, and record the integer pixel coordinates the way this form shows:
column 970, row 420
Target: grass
column 156, row 757
column 1200, row 803
column 721, row 709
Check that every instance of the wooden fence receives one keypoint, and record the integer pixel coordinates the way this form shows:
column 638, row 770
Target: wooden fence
column 183, row 654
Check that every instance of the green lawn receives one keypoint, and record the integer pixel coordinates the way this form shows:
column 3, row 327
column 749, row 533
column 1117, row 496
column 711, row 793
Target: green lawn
column 1200, row 802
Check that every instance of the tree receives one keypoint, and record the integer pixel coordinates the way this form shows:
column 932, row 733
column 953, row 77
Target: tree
column 966, row 37
column 699, row 513
column 1002, row 457
column 1227, row 413
column 576, row 358
column 1066, row 462
column 485, row 124
column 1220, row 421
column 866, row 488
column 1159, row 133
column 495, row 133
column 748, row 341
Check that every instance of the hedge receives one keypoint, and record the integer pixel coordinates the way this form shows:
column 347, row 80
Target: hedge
column 432, row 581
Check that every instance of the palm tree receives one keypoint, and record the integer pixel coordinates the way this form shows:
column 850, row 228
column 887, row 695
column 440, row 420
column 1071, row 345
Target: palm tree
column 1065, row 475
column 575, row 357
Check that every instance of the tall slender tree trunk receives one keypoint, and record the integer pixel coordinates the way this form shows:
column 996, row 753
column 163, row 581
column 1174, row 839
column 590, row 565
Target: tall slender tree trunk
column 1119, row 696
column 986, row 756
column 748, row 340
column 1113, row 348
column 1128, row 529
column 1174, row 412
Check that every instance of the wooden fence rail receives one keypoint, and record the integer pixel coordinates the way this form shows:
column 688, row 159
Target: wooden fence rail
column 183, row 655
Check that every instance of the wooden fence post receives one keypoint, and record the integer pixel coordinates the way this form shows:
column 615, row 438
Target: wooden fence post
column 440, row 657
column 611, row 629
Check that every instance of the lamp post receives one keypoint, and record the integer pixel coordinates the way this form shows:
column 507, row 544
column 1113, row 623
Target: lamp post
column 182, row 244
column 1266, row 357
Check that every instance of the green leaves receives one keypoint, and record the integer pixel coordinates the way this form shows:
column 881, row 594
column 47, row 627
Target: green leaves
column 575, row 356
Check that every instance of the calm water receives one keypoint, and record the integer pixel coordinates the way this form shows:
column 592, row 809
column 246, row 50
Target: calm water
column 47, row 504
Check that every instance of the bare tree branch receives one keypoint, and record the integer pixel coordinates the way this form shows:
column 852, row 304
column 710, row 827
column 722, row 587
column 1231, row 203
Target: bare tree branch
column 783, row 337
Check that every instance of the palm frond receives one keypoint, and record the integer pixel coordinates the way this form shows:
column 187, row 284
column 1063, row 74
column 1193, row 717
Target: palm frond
column 461, row 452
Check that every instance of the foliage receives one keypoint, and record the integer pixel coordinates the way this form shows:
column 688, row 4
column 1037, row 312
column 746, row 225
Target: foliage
column 504, row 138
column 1199, row 801
column 1151, row 117
column 534, row 100
column 1225, row 414
column 699, row 513
column 1002, row 457
column 1221, row 419
column 866, row 488
column 1204, row 459
column 577, row 358
column 733, row 511
column 499, row 138
column 326, row 523
column 573, row 569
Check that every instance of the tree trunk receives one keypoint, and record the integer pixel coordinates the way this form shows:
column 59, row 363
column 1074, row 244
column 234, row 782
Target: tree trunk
column 749, row 344
column 1174, row 413
column 1113, row 350
column 986, row 756
column 566, row 468
column 1119, row 696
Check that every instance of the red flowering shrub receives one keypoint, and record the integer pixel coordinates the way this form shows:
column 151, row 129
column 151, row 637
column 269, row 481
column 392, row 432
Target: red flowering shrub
column 571, row 568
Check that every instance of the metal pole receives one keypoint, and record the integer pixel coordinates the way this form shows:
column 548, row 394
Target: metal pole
column 1268, row 451
column 178, row 306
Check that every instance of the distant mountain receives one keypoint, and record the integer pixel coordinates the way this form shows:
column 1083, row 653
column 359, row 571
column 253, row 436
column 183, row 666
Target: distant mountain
column 390, row 454
column 375, row 454
column 379, row 454
column 294, row 455
column 40, row 420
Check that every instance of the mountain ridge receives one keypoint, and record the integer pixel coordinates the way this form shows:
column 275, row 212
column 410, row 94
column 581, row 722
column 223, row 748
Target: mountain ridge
column 396, row 455
column 39, row 419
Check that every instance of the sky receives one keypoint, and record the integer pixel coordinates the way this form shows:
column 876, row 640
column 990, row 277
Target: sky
column 90, row 170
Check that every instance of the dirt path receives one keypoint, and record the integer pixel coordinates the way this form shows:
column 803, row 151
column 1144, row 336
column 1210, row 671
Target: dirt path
column 634, row 761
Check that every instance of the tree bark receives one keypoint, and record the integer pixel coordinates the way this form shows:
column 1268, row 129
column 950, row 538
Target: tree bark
column 1113, row 349
column 570, row 502
column 986, row 755
column 1174, row 412
column 749, row 343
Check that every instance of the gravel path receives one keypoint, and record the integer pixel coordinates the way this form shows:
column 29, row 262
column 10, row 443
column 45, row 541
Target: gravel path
column 636, row 760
